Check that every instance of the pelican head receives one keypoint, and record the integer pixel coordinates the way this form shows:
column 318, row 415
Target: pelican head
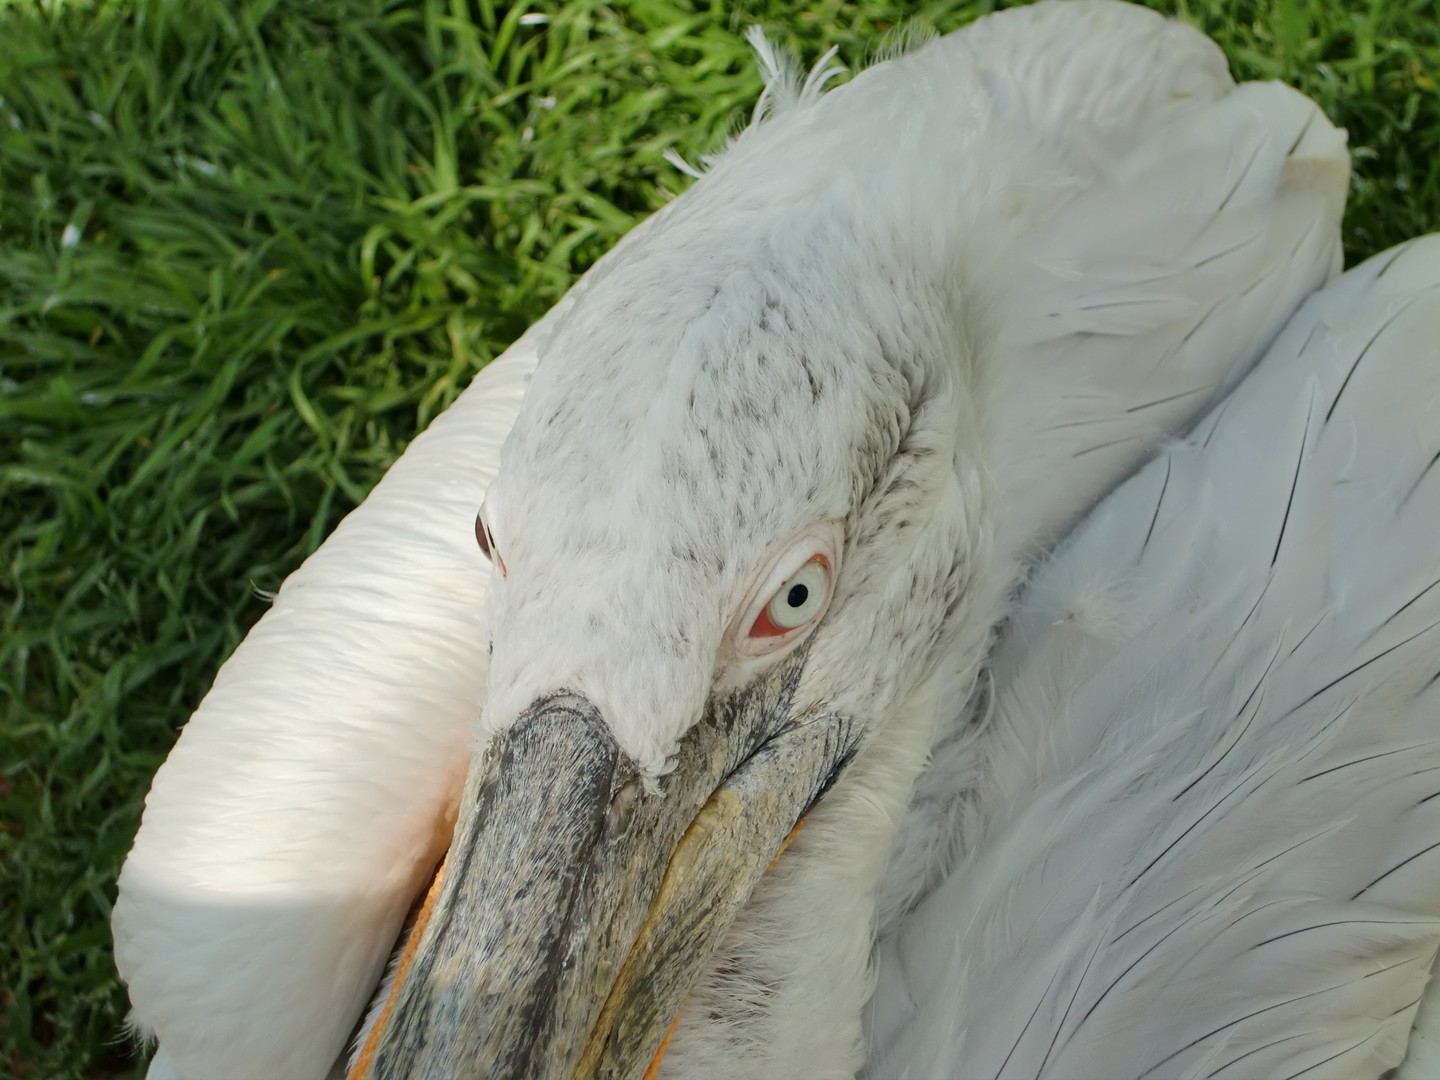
column 733, row 529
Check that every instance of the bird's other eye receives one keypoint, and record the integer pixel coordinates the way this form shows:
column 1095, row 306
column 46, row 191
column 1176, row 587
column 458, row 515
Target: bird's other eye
column 486, row 540
column 798, row 602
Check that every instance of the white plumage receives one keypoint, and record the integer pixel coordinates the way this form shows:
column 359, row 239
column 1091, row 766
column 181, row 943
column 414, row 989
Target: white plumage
column 308, row 798
column 1202, row 821
column 1127, row 230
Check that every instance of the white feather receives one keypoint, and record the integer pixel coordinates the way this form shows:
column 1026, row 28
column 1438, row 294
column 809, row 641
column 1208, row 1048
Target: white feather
column 288, row 831
column 1151, row 292
column 1202, row 837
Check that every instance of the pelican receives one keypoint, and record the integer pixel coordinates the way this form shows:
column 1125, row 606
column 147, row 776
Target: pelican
column 1202, row 831
column 754, row 496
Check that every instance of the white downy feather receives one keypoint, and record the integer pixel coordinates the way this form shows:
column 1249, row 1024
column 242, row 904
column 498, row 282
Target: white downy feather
column 1202, row 836
column 1153, row 291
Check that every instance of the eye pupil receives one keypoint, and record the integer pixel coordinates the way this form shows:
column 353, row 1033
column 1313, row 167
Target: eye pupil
column 797, row 596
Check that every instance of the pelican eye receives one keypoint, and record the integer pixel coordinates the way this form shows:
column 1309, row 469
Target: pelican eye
column 797, row 602
column 486, row 540
column 788, row 598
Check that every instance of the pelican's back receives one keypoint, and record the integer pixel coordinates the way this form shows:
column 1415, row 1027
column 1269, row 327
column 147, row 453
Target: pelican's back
column 1204, row 837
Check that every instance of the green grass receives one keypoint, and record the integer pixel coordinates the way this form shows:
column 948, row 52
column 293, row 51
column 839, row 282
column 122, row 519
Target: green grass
column 248, row 248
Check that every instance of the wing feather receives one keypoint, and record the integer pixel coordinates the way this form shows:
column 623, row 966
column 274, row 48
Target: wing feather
column 1208, row 212
column 1203, row 839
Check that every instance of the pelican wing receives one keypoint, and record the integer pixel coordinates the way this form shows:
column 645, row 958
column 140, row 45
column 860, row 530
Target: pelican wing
column 1204, row 831
column 1200, row 215
column 1204, row 213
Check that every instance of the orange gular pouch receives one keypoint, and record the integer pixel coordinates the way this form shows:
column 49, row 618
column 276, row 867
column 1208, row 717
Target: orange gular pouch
column 423, row 910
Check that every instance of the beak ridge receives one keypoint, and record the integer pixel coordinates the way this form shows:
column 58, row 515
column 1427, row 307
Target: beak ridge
column 533, row 813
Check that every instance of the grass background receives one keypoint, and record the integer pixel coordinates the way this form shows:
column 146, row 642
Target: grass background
column 249, row 247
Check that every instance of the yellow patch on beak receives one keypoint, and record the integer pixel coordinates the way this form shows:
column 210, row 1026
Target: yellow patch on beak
column 652, row 1072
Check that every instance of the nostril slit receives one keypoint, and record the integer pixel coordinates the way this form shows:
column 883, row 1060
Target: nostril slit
column 622, row 805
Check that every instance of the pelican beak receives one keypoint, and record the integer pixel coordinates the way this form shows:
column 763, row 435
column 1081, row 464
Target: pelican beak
column 578, row 909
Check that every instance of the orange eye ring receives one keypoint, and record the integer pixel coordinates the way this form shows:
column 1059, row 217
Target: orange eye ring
column 775, row 617
column 798, row 601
